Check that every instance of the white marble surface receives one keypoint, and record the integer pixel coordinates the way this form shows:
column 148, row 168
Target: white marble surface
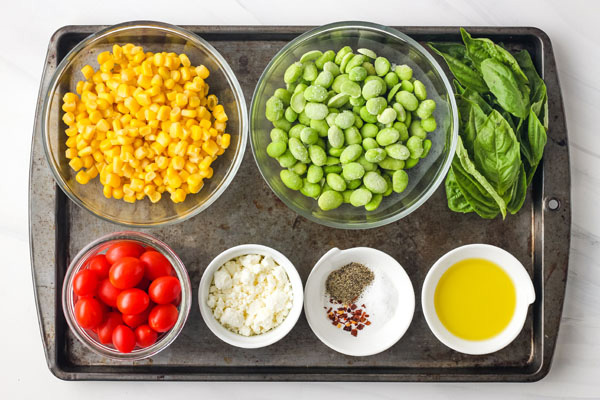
column 25, row 29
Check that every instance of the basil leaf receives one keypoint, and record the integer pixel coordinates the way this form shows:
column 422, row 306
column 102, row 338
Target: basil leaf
column 503, row 84
column 456, row 200
column 476, row 98
column 537, row 138
column 455, row 49
column 473, row 192
column 518, row 192
column 469, row 167
column 539, row 96
column 463, row 71
column 497, row 153
column 458, row 88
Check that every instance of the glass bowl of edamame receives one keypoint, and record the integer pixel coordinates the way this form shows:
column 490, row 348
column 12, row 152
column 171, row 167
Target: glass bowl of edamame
column 353, row 125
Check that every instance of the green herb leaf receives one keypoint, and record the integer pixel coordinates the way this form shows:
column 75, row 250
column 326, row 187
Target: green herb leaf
column 539, row 96
column 502, row 83
column 456, row 200
column 473, row 192
column 518, row 192
column 463, row 71
column 479, row 49
column 497, row 153
column 537, row 138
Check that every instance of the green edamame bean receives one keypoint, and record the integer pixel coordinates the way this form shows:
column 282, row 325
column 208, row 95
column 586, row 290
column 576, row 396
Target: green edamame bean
column 407, row 86
column 399, row 181
column 274, row 109
column 351, row 153
column 296, row 130
column 360, row 197
column 374, row 203
column 332, row 169
column 417, row 130
column 338, row 81
column 309, row 136
column 391, row 164
column 345, row 119
column 357, row 74
column 315, row 93
column 291, row 87
column 299, row 168
column 338, row 100
column 293, row 72
column 332, row 68
column 352, row 135
column 290, row 179
column 391, row 80
column 382, row 66
column 369, row 130
column 317, row 155
column 352, row 171
column 314, row 174
column 375, row 182
column 370, row 68
column 400, row 112
column 324, row 186
column 282, row 124
column 357, row 101
column 283, row 95
column 387, row 136
column 353, row 184
column 346, row 195
column 356, row 111
column 408, row 119
column 324, row 79
column 275, row 149
column 375, row 155
column 310, row 56
column 355, row 61
column 335, row 152
column 350, row 88
column 425, row 109
column 287, row 159
column 320, row 126
column 345, row 62
column 392, row 93
column 404, row 72
column 408, row 100
column 310, row 189
column 426, row 148
column 298, row 150
column 368, row 166
column 310, row 72
column 398, row 151
column 301, row 87
column 411, row 162
column 415, row 145
column 400, row 127
column 290, row 115
column 332, row 160
column 387, row 116
column 429, row 124
column 316, row 111
column 388, row 179
column 335, row 136
column 329, row 200
column 336, row 182
column 278, row 135
column 376, row 105
column 298, row 102
column 369, row 143
column 367, row 52
column 372, row 88
column 330, row 119
column 420, row 90
column 358, row 123
column 366, row 116
column 326, row 57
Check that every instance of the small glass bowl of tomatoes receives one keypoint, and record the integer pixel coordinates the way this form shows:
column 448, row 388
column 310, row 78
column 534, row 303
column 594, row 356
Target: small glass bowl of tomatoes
column 126, row 296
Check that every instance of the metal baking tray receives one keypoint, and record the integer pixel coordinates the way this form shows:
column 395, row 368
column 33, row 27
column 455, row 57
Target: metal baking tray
column 249, row 212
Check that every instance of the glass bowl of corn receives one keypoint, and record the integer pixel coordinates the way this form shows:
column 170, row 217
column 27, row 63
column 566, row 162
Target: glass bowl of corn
column 144, row 124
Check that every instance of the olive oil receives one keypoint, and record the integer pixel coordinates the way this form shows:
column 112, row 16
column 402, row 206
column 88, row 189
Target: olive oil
column 475, row 299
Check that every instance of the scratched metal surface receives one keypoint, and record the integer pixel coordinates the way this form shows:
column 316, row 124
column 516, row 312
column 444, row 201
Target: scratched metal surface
column 249, row 212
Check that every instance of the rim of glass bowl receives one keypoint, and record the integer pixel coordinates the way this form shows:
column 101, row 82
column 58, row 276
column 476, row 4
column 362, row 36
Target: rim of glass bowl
column 184, row 34
column 386, row 30
column 79, row 262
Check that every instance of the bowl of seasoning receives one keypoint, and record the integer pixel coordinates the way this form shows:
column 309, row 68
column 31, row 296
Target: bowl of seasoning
column 475, row 298
column 358, row 301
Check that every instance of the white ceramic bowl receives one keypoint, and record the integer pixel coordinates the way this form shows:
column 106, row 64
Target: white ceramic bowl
column 267, row 338
column 382, row 333
column 523, row 287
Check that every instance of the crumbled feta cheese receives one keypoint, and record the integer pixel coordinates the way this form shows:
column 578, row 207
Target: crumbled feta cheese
column 250, row 295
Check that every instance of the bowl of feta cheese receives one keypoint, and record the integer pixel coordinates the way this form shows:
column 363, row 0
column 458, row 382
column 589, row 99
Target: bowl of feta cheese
column 250, row 296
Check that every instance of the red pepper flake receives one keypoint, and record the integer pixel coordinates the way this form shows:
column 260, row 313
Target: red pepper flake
column 354, row 332
column 350, row 317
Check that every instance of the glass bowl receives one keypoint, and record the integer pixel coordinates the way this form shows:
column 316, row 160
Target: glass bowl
column 88, row 337
column 424, row 179
column 155, row 37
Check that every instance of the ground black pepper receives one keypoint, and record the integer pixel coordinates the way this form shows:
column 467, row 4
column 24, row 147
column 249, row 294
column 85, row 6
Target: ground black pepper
column 346, row 284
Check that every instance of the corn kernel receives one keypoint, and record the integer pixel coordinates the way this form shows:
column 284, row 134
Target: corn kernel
column 87, row 71
column 202, row 71
column 82, row 177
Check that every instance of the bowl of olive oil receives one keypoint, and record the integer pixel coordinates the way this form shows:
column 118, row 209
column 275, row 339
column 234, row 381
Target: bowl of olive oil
column 475, row 298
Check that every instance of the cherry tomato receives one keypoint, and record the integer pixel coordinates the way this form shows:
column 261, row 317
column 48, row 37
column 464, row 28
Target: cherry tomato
column 108, row 293
column 177, row 301
column 105, row 329
column 144, row 284
column 145, row 336
column 100, row 265
column 156, row 265
column 164, row 290
column 126, row 273
column 135, row 320
column 132, row 301
column 124, row 249
column 89, row 312
column 163, row 317
column 123, row 338
column 85, row 283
